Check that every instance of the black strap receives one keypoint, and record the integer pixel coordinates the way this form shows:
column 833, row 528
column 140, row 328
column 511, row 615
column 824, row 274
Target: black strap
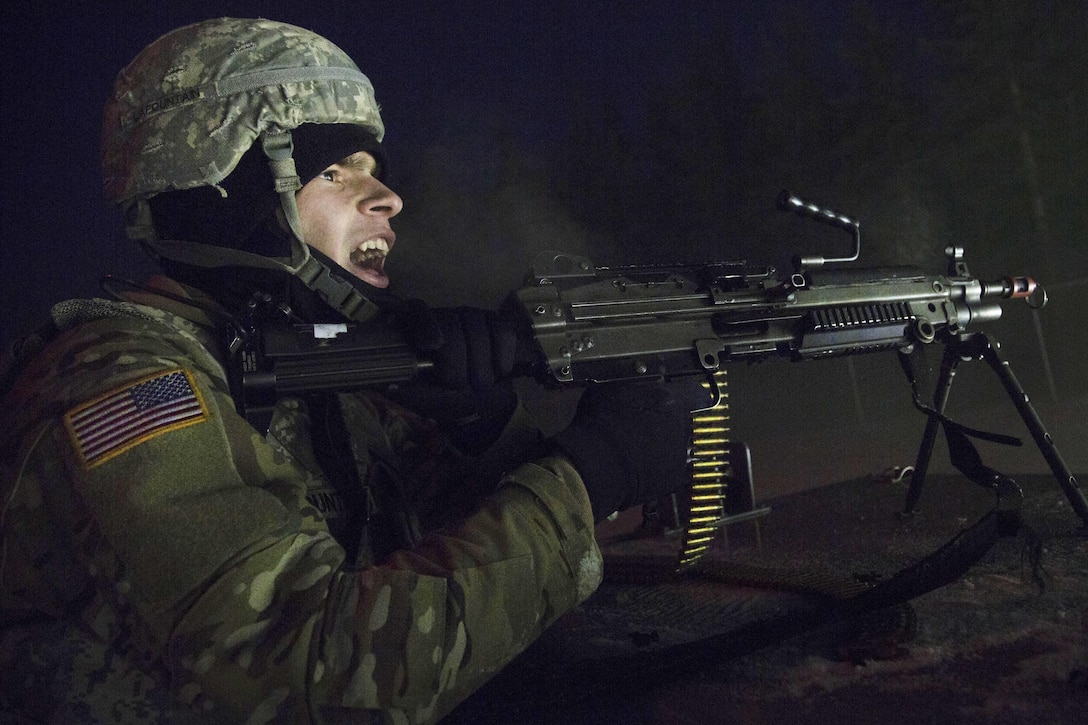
column 509, row 695
column 332, row 449
column 913, row 364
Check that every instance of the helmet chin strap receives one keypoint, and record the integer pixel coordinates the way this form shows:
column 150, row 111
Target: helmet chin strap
column 319, row 273
column 343, row 292
column 279, row 148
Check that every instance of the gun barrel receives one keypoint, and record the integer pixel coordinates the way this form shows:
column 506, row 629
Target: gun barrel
column 1017, row 287
column 1010, row 287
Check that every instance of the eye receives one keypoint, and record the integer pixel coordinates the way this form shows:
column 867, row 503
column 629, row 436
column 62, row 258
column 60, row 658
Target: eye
column 329, row 174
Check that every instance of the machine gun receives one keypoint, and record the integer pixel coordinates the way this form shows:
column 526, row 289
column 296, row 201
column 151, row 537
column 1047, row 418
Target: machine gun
column 592, row 324
column 602, row 324
column 596, row 324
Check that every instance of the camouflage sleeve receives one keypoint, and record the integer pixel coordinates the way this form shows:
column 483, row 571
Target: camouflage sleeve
column 200, row 540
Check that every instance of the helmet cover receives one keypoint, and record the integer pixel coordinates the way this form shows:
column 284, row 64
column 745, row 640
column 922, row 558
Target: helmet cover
column 192, row 103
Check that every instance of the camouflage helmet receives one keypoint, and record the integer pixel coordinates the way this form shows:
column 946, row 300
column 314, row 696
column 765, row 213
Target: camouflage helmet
column 192, row 103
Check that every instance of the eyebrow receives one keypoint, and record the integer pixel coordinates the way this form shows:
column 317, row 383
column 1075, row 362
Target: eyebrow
column 362, row 161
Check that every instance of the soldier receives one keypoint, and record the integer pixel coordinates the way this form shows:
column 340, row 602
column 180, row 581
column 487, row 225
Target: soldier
column 362, row 559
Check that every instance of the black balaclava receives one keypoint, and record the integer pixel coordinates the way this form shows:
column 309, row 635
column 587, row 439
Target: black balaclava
column 319, row 145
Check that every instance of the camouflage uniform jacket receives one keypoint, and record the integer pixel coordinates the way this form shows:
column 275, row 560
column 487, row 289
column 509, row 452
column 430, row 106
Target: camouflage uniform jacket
column 157, row 550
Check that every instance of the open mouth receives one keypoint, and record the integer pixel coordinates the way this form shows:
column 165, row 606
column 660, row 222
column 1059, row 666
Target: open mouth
column 369, row 261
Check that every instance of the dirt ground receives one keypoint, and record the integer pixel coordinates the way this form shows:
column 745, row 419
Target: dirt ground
column 1005, row 642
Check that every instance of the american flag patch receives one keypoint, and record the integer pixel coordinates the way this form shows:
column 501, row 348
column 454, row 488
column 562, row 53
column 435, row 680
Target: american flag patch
column 133, row 414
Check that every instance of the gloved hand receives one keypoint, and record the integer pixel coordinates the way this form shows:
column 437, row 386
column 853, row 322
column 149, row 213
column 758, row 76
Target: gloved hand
column 629, row 441
column 469, row 391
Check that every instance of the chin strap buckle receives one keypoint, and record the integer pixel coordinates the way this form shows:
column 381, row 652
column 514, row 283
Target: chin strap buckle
column 337, row 292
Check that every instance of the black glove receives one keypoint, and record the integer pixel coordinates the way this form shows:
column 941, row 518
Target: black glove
column 469, row 391
column 630, row 441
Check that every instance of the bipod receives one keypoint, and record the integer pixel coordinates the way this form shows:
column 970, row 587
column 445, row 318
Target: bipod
column 979, row 346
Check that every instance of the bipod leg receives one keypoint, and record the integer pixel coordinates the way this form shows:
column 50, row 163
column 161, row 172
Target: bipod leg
column 949, row 362
column 990, row 351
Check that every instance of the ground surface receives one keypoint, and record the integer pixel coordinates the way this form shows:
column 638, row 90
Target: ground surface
column 1005, row 642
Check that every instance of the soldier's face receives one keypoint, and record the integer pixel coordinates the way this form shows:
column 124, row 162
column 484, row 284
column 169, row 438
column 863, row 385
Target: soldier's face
column 345, row 212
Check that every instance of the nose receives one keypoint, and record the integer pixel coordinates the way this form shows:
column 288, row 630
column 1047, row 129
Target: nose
column 380, row 200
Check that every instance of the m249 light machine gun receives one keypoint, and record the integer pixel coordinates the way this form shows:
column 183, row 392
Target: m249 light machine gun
column 596, row 324
column 593, row 324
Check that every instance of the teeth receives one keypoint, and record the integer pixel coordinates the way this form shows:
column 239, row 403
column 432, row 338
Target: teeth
column 371, row 253
column 371, row 245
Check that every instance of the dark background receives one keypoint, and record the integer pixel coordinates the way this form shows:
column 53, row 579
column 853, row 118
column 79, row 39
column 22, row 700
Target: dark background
column 643, row 132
